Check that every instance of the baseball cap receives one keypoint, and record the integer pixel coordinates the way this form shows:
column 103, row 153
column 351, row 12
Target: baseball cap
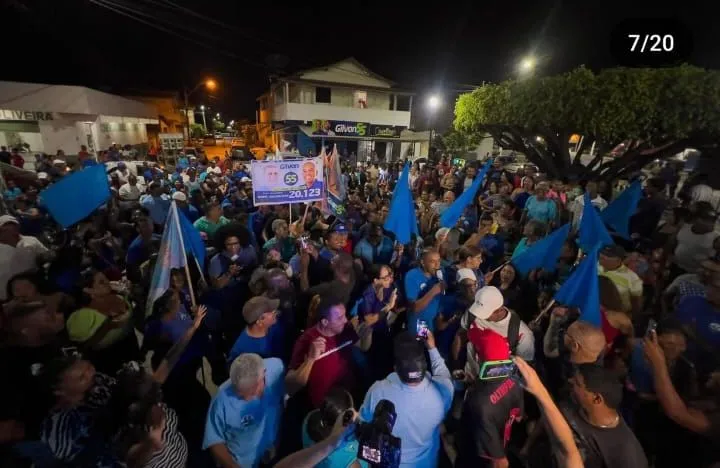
column 245, row 179
column 340, row 228
column 465, row 273
column 42, row 175
column 410, row 362
column 7, row 219
column 489, row 345
column 613, row 251
column 179, row 196
column 58, row 161
column 258, row 305
column 487, row 300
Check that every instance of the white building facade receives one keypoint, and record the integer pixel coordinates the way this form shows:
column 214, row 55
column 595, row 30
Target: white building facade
column 345, row 104
column 48, row 118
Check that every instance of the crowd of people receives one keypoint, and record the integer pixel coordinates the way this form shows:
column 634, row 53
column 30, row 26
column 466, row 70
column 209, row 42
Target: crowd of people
column 303, row 336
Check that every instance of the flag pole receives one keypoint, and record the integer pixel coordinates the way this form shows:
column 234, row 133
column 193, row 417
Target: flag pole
column 307, row 207
column 182, row 246
column 290, row 211
column 547, row 308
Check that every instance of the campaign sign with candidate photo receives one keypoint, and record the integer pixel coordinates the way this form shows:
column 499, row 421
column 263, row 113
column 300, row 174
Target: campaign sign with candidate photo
column 290, row 181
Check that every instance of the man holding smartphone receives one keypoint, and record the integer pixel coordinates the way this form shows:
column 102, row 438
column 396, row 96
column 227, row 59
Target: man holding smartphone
column 491, row 407
column 421, row 398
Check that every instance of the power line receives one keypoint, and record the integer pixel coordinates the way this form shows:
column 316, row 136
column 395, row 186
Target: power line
column 103, row 4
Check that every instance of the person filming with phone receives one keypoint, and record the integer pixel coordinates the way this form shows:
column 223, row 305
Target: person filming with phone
column 422, row 398
column 492, row 404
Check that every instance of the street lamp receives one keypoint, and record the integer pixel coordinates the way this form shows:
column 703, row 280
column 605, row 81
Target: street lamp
column 527, row 65
column 433, row 103
column 202, row 111
column 210, row 85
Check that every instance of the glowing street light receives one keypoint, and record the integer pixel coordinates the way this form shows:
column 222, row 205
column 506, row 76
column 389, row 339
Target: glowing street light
column 433, row 102
column 209, row 84
column 217, row 116
column 527, row 65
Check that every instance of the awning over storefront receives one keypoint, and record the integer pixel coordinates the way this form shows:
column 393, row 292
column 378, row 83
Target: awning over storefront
column 28, row 98
column 404, row 135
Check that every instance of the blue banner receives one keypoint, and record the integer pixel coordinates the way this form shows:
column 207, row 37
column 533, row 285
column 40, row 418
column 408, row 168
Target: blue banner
column 289, row 181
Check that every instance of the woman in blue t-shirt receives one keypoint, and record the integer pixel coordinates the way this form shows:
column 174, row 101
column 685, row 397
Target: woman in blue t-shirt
column 319, row 423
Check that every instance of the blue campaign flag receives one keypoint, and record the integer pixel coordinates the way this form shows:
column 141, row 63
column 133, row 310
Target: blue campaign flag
column 191, row 239
column 593, row 232
column 451, row 215
column 401, row 219
column 581, row 289
column 179, row 238
column 543, row 253
column 75, row 196
column 618, row 212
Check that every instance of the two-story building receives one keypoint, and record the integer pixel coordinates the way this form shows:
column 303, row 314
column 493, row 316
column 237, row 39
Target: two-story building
column 344, row 104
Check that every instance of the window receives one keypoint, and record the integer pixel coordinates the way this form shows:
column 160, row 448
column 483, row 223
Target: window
column 403, row 103
column 360, row 99
column 322, row 95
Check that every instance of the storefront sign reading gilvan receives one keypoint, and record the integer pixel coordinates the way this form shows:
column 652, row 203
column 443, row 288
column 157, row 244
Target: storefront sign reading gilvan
column 25, row 115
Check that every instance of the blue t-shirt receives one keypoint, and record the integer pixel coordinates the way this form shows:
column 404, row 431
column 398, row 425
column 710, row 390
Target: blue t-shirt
column 266, row 347
column 704, row 319
column 420, row 410
column 12, row 194
column 191, row 213
column 158, row 207
column 521, row 247
column 417, row 284
column 341, row 457
column 544, row 211
column 379, row 254
column 640, row 373
column 247, row 428
column 449, row 305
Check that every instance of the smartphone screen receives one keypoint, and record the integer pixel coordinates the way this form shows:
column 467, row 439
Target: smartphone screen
column 652, row 326
column 422, row 329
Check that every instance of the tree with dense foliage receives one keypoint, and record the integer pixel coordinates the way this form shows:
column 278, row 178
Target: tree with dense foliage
column 457, row 142
column 655, row 112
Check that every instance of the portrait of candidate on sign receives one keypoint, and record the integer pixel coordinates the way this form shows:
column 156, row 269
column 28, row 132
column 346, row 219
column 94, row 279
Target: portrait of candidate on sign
column 290, row 181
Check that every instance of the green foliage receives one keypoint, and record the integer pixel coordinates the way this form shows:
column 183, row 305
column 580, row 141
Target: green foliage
column 614, row 105
column 654, row 106
column 458, row 142
column 219, row 125
column 197, row 131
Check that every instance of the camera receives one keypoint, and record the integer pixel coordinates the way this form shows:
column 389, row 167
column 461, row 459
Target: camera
column 376, row 444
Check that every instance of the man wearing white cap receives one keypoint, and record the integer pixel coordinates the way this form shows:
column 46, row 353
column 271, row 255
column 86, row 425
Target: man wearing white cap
column 489, row 314
column 18, row 253
column 187, row 209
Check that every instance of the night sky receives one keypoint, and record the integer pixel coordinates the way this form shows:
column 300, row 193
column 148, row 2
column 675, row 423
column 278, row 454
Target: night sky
column 437, row 46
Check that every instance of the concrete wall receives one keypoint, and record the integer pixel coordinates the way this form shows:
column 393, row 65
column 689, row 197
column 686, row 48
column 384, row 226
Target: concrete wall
column 122, row 133
column 61, row 134
column 306, row 112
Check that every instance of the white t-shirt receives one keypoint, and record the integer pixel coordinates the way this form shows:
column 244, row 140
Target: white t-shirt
column 129, row 193
column 19, row 259
column 579, row 203
column 693, row 248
